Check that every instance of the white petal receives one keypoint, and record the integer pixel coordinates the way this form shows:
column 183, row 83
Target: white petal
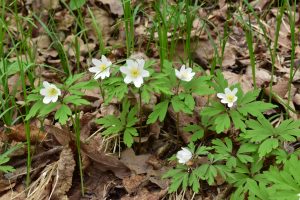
column 47, row 100
column 221, row 95
column 43, row 91
column 235, row 98
column 141, row 62
column 128, row 79
column 138, row 82
column 54, row 99
column 124, row 70
column 227, row 91
column 234, row 91
column 108, row 63
column 94, row 69
column 189, row 70
column 230, row 104
column 97, row 76
column 224, row 101
column 104, row 59
column 192, row 74
column 46, row 84
column 177, row 73
column 182, row 69
column 130, row 63
column 145, row 73
column 58, row 91
column 96, row 62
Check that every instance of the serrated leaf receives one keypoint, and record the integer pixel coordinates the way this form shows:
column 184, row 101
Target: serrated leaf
column 238, row 120
column 47, row 108
column 222, row 122
column 267, row 146
column 128, row 136
column 213, row 110
column 159, row 112
column 62, row 114
column 34, row 110
column 76, row 4
column 255, row 108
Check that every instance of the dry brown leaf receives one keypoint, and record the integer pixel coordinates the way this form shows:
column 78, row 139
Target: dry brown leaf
column 104, row 23
column 145, row 194
column 134, row 182
column 260, row 5
column 233, row 78
column 65, row 169
column 17, row 133
column 103, row 162
column 115, row 6
column 63, row 137
column 136, row 163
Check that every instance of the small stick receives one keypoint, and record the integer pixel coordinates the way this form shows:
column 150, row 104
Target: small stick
column 43, row 154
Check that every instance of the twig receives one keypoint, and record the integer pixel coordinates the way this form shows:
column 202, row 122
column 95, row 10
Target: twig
column 43, row 154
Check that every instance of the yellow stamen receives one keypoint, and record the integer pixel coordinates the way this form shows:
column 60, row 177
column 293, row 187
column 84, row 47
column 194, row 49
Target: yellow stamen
column 102, row 67
column 52, row 92
column 230, row 97
column 135, row 72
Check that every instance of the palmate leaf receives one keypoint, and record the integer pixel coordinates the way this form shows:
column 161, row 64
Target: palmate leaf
column 213, row 110
column 267, row 146
column 255, row 108
column 285, row 183
column 62, row 114
column 222, row 122
column 259, row 130
column 129, row 133
column 159, row 112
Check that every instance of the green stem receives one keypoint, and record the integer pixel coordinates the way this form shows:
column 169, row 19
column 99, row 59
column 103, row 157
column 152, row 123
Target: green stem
column 76, row 124
column 140, row 116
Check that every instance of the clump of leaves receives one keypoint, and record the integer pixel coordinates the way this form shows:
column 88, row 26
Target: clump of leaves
column 123, row 124
column 4, row 158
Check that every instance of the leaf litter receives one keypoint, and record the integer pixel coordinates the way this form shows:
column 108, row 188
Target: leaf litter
column 132, row 176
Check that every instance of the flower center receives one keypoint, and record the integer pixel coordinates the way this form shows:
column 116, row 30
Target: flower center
column 135, row 72
column 52, row 92
column 230, row 98
column 102, row 67
column 184, row 75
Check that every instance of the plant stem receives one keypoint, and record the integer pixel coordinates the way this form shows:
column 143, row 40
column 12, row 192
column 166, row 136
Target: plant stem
column 177, row 115
column 76, row 124
column 102, row 91
column 140, row 117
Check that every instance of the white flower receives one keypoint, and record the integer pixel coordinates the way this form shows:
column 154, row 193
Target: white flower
column 298, row 195
column 101, row 67
column 229, row 97
column 185, row 74
column 50, row 91
column 134, row 72
column 184, row 155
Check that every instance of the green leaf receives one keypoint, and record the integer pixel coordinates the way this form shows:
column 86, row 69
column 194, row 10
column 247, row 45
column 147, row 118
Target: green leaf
column 159, row 112
column 255, row 108
column 222, row 122
column 47, row 108
column 128, row 136
column 189, row 101
column 267, row 146
column 213, row 110
column 179, row 105
column 62, row 114
column 75, row 100
column 75, row 4
column 34, row 97
column 34, row 110
column 238, row 120
column 131, row 117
